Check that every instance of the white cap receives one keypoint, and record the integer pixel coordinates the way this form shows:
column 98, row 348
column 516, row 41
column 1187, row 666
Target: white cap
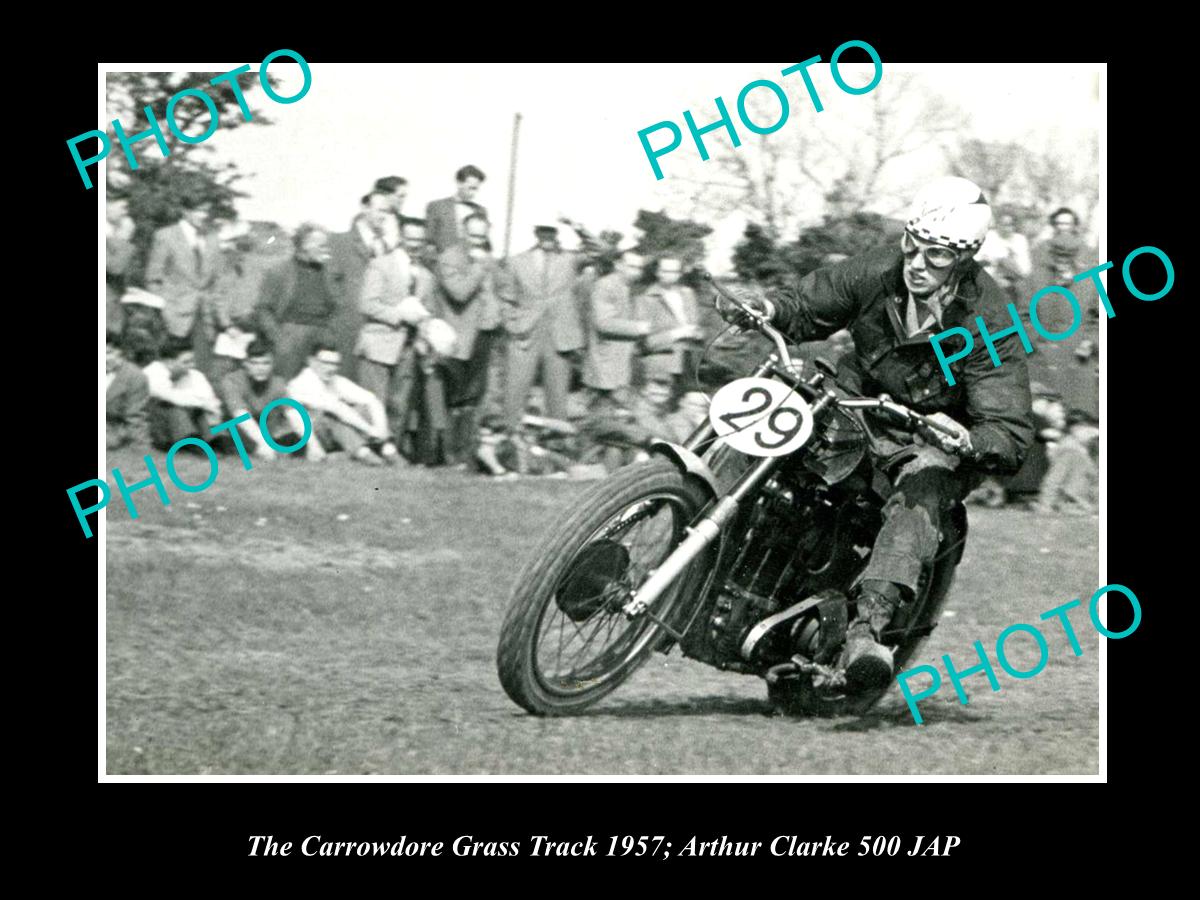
column 144, row 298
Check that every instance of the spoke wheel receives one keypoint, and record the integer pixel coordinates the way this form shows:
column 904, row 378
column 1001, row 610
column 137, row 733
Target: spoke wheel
column 566, row 641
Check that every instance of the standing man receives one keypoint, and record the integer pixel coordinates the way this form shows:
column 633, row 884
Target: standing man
column 674, row 316
column 184, row 263
column 470, row 284
column 298, row 300
column 445, row 220
column 543, row 325
column 395, row 189
column 391, row 310
column 613, row 332
column 118, row 254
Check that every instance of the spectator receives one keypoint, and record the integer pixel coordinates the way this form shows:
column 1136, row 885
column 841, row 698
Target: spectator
column 674, row 316
column 126, row 399
column 298, row 299
column 1070, row 485
column 544, row 330
column 143, row 331
column 470, row 286
column 396, row 189
column 420, row 403
column 1065, row 248
column 251, row 389
column 1005, row 255
column 183, row 267
column 344, row 415
column 613, row 332
column 234, row 297
column 182, row 402
column 118, row 255
column 391, row 309
column 446, row 219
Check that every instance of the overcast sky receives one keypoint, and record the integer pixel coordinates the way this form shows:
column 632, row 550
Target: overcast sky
column 579, row 154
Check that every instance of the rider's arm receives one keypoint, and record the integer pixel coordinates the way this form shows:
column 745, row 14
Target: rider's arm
column 999, row 401
column 827, row 299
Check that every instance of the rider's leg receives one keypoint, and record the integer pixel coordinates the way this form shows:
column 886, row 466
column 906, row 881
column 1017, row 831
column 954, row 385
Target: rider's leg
column 926, row 488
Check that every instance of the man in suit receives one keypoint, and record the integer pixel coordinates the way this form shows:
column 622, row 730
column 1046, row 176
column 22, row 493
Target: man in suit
column 184, row 263
column 614, row 329
column 396, row 190
column 298, row 300
column 369, row 236
column 445, row 220
column 672, row 311
column 126, row 400
column 543, row 326
column 470, row 286
column 392, row 307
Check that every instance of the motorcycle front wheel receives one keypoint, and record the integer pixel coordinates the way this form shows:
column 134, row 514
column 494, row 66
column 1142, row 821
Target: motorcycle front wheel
column 565, row 641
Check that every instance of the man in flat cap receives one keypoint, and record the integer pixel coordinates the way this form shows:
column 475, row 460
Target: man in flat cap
column 543, row 324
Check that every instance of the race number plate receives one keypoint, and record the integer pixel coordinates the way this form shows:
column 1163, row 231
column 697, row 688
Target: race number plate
column 760, row 417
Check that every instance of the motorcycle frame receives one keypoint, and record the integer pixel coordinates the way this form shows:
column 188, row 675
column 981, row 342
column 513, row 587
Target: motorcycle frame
column 708, row 527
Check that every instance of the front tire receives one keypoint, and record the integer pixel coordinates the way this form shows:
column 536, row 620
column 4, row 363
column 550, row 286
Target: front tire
column 581, row 575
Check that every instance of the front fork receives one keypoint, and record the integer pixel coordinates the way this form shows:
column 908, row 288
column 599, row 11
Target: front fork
column 703, row 532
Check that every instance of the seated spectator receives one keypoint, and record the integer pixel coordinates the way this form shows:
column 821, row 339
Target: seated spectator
column 1071, row 484
column 344, row 415
column 142, row 322
column 251, row 389
column 182, row 402
column 126, row 400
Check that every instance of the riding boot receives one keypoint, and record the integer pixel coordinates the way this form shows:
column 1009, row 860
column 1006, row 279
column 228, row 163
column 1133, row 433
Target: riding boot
column 868, row 662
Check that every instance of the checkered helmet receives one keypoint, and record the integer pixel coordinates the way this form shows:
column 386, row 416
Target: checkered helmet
column 952, row 212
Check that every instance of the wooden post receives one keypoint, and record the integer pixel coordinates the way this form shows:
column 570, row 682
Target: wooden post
column 512, row 184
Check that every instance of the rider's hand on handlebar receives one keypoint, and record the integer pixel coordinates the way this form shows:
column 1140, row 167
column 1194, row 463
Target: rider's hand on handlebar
column 959, row 442
column 735, row 316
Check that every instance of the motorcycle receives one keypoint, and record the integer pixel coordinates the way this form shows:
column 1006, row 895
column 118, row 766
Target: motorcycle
column 739, row 546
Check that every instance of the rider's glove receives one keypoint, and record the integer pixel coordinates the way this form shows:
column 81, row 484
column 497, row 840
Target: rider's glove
column 735, row 316
column 958, row 443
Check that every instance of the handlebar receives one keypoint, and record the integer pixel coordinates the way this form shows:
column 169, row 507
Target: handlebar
column 761, row 324
column 884, row 402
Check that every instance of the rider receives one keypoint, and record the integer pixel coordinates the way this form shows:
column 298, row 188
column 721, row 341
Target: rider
column 892, row 299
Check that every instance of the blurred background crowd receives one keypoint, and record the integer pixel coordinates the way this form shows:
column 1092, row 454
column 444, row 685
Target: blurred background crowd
column 414, row 336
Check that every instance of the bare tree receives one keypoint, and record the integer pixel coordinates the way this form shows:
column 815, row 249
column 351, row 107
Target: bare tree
column 777, row 177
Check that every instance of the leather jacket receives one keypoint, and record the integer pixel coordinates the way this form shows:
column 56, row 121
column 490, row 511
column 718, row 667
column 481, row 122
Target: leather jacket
column 866, row 294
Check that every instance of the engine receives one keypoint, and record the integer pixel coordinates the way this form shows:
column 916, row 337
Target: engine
column 803, row 536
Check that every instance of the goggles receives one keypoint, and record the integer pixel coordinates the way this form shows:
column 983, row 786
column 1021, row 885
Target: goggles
column 936, row 257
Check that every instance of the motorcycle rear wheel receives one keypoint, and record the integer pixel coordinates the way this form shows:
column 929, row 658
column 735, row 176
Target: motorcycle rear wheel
column 573, row 588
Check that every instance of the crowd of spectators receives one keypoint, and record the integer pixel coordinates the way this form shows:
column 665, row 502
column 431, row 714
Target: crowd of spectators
column 406, row 339
column 410, row 343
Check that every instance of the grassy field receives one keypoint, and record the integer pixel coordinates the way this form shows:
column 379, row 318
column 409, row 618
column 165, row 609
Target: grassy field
column 331, row 618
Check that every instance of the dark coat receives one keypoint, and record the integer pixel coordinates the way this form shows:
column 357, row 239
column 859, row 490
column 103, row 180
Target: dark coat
column 867, row 295
column 126, row 402
column 275, row 295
